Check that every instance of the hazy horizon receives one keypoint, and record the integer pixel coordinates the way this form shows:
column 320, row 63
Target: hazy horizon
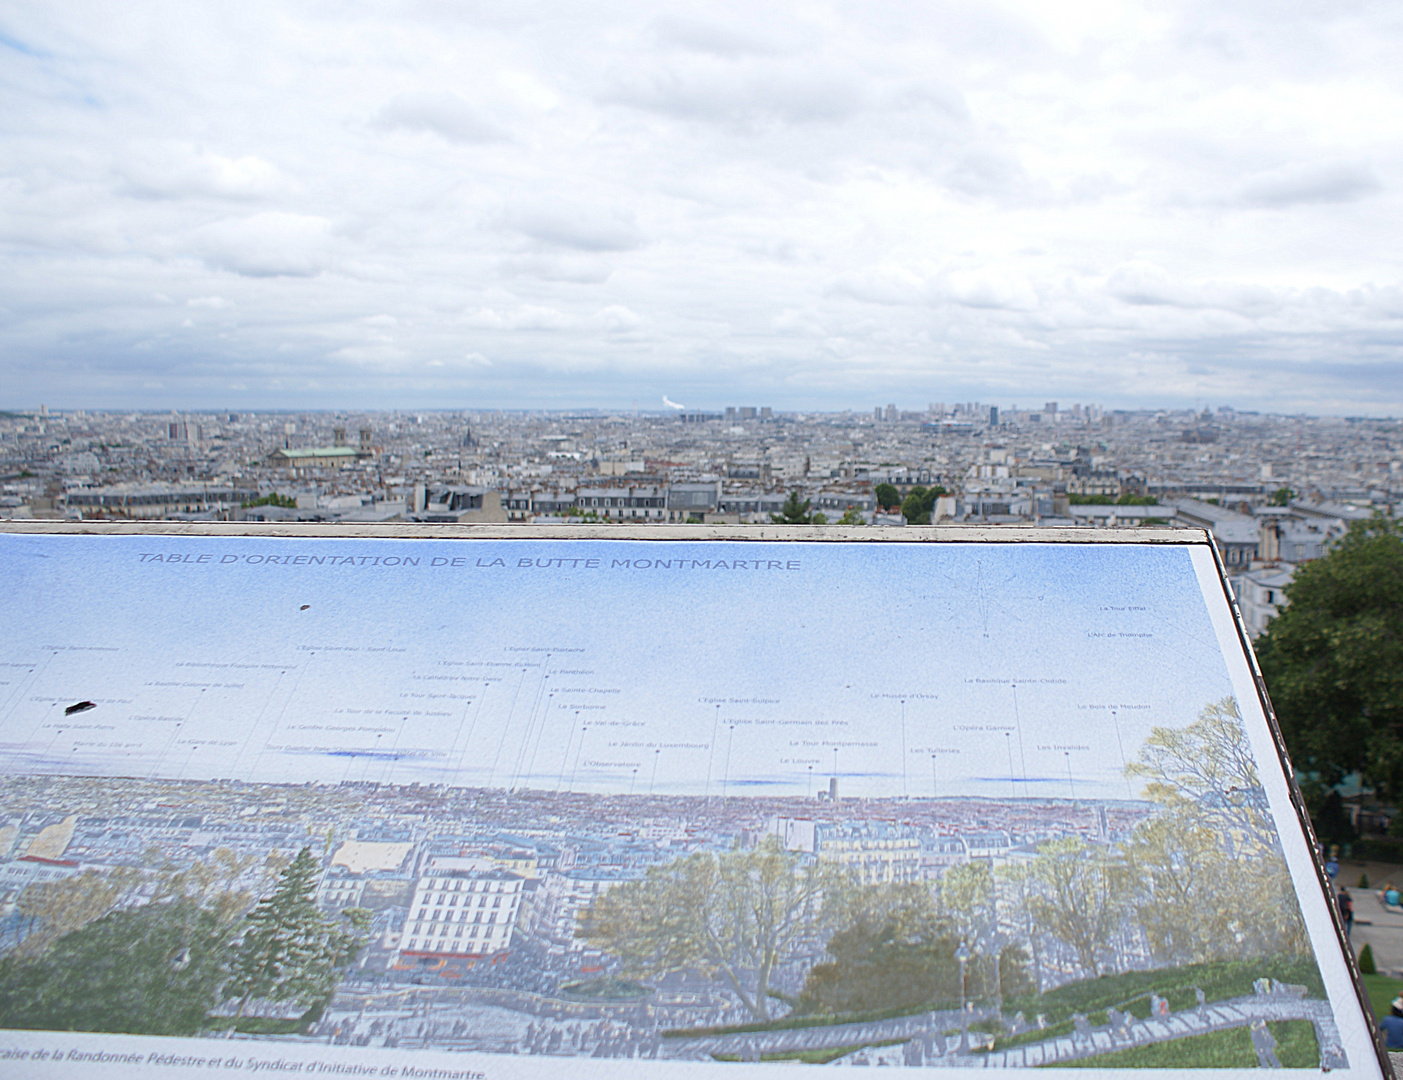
column 650, row 411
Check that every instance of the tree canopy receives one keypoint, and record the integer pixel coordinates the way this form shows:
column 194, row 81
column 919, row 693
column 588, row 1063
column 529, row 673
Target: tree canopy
column 290, row 951
column 1208, row 879
column 795, row 511
column 916, row 508
column 154, row 970
column 1333, row 662
column 887, row 496
column 152, row 950
column 737, row 914
column 1126, row 499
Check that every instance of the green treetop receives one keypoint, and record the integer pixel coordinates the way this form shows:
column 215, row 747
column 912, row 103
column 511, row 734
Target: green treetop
column 291, row 951
column 1105, row 500
column 288, row 502
column 795, row 511
column 153, row 969
column 736, row 916
column 916, row 508
column 1333, row 661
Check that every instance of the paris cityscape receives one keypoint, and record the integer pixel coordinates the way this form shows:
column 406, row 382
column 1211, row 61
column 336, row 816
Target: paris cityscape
column 1275, row 491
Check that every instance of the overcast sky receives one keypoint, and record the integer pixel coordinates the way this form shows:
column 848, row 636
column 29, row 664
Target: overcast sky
column 819, row 205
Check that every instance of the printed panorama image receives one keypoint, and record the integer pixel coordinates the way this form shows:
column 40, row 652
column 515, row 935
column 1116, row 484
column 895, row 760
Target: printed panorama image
column 1160, row 931
column 915, row 805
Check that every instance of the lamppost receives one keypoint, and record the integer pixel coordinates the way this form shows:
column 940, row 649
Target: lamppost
column 962, row 955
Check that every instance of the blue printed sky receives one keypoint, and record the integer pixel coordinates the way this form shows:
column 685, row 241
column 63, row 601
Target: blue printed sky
column 916, row 669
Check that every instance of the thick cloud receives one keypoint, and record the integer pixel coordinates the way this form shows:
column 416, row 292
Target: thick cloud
column 182, row 171
column 815, row 205
column 270, row 244
column 580, row 226
column 444, row 114
column 1313, row 182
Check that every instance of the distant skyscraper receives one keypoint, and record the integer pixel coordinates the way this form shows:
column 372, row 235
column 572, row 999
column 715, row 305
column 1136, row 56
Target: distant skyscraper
column 993, row 416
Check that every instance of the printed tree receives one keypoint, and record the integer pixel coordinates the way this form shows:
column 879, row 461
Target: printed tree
column 738, row 914
column 291, row 951
column 892, row 949
column 1201, row 880
column 51, row 909
column 1078, row 897
column 1213, row 883
column 153, row 969
column 967, row 900
column 1207, row 769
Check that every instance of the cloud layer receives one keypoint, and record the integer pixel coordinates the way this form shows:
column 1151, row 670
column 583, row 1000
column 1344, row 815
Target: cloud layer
column 806, row 205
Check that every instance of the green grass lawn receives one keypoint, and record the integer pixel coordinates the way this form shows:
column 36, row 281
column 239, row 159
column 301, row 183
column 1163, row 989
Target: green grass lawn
column 608, row 988
column 1130, row 992
column 1295, row 1049
column 1381, row 990
column 258, row 1025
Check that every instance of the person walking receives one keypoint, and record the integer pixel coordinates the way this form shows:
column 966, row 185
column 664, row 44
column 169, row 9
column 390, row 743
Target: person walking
column 1346, row 903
